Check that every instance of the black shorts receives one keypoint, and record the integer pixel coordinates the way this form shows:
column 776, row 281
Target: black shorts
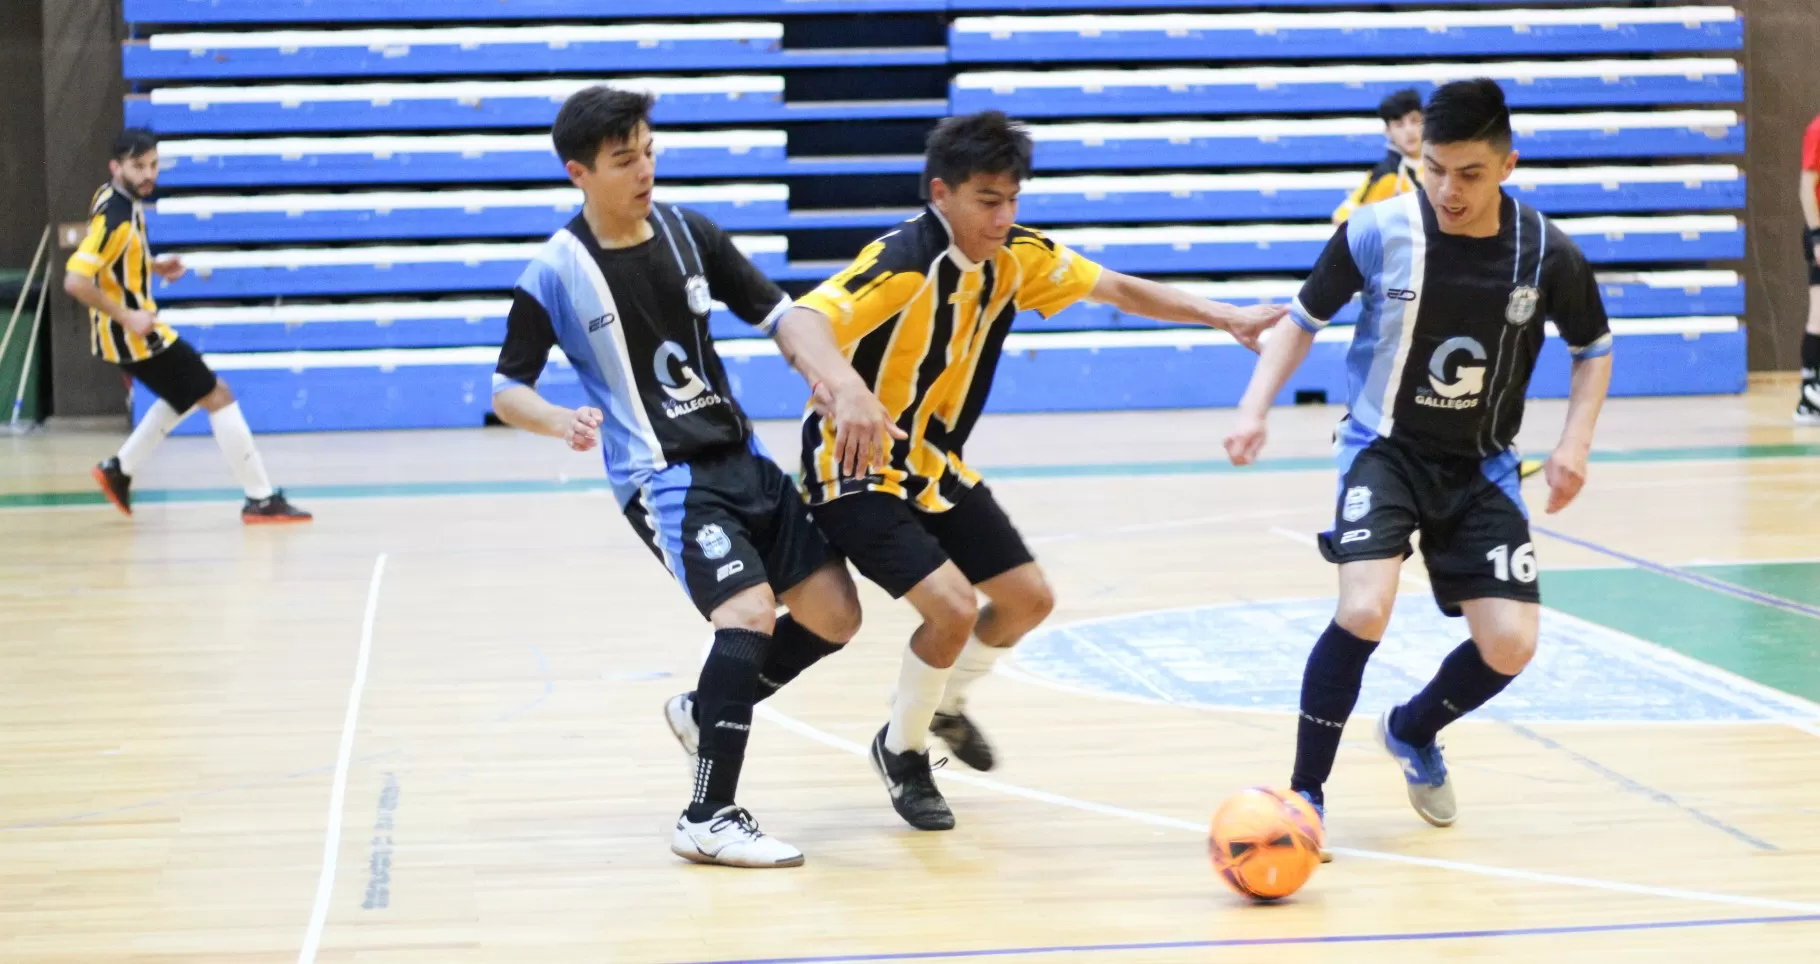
column 1475, row 530
column 725, row 523
column 897, row 546
column 177, row 374
column 1808, row 240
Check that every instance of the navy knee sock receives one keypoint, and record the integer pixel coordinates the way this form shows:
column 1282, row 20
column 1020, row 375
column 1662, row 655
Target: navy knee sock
column 723, row 698
column 1462, row 684
column 1330, row 688
column 793, row 649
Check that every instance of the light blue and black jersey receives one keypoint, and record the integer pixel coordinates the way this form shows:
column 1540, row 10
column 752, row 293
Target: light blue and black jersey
column 1450, row 326
column 634, row 325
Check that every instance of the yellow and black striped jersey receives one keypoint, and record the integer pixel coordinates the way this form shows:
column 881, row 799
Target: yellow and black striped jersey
column 1394, row 175
column 116, row 257
column 923, row 325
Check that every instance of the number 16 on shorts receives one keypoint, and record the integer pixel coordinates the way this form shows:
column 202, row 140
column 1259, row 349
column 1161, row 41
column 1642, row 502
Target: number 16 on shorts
column 1519, row 565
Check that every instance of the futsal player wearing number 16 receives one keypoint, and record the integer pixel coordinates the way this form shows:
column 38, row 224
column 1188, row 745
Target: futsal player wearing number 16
column 1456, row 279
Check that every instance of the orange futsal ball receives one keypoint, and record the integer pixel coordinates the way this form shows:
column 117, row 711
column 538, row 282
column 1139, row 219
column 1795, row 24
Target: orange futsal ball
column 1265, row 843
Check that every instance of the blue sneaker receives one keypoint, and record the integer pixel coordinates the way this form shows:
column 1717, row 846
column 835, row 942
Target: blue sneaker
column 1426, row 773
column 1320, row 810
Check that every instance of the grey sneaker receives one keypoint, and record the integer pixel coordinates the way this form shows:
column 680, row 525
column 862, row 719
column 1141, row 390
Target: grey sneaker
column 1425, row 773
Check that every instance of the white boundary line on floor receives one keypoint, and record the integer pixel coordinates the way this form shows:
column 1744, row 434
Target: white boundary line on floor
column 331, row 846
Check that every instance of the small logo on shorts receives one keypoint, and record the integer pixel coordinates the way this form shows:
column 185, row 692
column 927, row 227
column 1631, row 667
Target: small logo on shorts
column 1355, row 535
column 713, row 541
column 601, row 322
column 1522, row 305
column 1358, row 503
column 732, row 568
column 1400, row 294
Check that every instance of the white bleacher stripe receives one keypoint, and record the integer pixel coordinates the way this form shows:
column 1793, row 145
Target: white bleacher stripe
column 395, row 255
column 1184, row 131
column 567, row 198
column 1284, row 22
column 1200, row 234
column 464, row 90
column 1347, row 180
column 204, row 148
column 1009, row 80
column 1180, row 338
column 1674, row 279
column 389, row 39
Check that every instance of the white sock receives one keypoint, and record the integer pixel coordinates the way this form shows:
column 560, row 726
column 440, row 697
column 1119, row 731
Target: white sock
column 159, row 421
column 975, row 663
column 236, row 441
column 919, row 689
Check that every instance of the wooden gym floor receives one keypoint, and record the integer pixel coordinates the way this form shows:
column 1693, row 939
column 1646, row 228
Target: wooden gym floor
column 177, row 741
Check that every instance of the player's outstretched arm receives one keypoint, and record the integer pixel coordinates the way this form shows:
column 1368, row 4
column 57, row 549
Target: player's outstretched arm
column 863, row 427
column 1566, row 467
column 1149, row 299
column 1284, row 352
column 522, row 408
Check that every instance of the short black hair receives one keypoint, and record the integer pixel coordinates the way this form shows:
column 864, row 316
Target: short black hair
column 984, row 143
column 1399, row 105
column 1468, row 110
column 133, row 142
column 598, row 115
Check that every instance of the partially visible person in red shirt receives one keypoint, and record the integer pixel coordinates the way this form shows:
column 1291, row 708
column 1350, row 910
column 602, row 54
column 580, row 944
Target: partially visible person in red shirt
column 1807, row 411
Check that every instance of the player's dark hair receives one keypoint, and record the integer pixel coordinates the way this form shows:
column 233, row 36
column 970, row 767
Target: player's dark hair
column 984, row 143
column 1399, row 105
column 133, row 142
column 1468, row 110
column 595, row 116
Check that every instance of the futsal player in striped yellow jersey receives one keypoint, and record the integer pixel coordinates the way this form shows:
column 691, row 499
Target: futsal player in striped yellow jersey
column 111, row 274
column 923, row 314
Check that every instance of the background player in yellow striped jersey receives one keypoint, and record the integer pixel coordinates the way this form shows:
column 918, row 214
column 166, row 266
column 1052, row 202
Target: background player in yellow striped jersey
column 111, row 273
column 923, row 313
column 1400, row 172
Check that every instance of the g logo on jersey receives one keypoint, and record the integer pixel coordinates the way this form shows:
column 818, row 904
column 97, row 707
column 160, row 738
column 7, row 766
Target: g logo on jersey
column 1467, row 379
column 1522, row 306
column 689, row 384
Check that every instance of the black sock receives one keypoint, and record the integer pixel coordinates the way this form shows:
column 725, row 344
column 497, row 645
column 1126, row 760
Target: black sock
column 1810, row 357
column 724, row 698
column 793, row 649
column 1462, row 684
column 1330, row 687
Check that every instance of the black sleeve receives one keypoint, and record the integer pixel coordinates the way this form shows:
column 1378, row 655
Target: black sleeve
column 732, row 279
column 1335, row 279
column 529, row 338
column 1574, row 302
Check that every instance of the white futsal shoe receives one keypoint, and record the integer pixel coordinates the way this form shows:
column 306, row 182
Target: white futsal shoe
column 680, row 714
column 731, row 838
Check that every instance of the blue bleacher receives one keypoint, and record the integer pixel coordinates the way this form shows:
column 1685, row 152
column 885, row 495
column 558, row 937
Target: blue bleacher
column 491, row 50
column 1068, row 371
column 471, row 105
column 1352, row 88
column 1097, row 199
column 460, row 323
column 237, row 12
column 277, row 163
column 356, row 202
column 433, row 268
column 1291, row 36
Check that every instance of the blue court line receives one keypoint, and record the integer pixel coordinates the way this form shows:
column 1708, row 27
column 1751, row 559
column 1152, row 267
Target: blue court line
column 1280, row 941
column 1692, row 578
column 1636, row 786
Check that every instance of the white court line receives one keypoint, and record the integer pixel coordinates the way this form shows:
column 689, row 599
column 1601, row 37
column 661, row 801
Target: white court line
column 331, row 846
column 800, row 728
